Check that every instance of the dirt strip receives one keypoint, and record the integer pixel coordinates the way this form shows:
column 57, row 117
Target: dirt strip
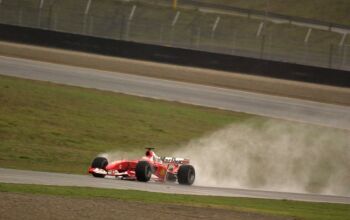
column 31, row 206
column 309, row 91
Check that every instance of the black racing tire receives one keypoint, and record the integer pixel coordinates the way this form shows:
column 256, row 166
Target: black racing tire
column 186, row 175
column 143, row 171
column 101, row 163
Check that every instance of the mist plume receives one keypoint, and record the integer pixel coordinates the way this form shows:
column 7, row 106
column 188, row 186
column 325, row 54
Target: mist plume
column 275, row 155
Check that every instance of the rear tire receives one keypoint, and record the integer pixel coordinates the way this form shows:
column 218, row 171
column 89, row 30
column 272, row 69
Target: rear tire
column 101, row 163
column 186, row 175
column 143, row 171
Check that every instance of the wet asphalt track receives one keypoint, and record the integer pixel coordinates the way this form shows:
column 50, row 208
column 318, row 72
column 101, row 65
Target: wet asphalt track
column 265, row 105
column 235, row 100
column 59, row 179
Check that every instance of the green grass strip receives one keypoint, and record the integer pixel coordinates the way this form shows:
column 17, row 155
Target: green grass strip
column 299, row 210
column 50, row 127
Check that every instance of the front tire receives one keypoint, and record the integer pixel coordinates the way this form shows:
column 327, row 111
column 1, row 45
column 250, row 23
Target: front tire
column 186, row 175
column 143, row 171
column 101, row 163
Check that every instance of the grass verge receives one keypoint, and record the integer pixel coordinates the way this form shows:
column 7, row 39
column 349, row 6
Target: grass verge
column 299, row 210
column 59, row 128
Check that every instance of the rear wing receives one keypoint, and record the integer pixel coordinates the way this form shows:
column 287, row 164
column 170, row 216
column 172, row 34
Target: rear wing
column 177, row 160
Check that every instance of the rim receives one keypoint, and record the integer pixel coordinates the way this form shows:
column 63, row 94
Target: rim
column 191, row 176
column 148, row 171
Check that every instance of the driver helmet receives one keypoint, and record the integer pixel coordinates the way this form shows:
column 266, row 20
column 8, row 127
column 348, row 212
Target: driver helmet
column 149, row 153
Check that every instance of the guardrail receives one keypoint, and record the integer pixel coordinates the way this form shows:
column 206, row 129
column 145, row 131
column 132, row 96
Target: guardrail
column 172, row 55
column 252, row 12
column 137, row 21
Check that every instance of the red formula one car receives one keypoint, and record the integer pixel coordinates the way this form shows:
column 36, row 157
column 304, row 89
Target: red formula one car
column 160, row 169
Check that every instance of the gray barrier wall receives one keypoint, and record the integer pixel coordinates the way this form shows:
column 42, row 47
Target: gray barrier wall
column 195, row 29
column 173, row 55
